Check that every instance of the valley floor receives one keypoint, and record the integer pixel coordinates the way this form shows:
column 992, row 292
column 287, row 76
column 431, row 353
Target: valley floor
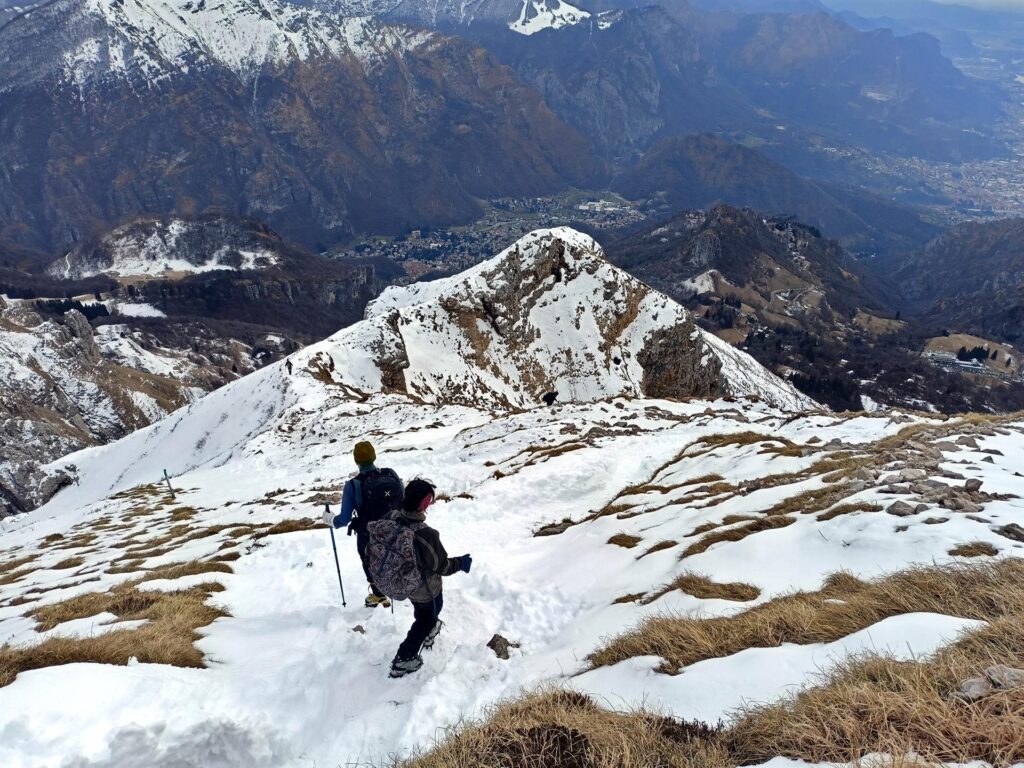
column 660, row 509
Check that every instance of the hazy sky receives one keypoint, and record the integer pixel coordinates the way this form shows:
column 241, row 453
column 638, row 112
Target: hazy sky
column 1017, row 5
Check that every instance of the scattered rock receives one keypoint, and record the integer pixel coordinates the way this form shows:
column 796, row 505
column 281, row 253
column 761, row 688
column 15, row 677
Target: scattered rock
column 500, row 646
column 902, row 528
column 359, row 628
column 911, row 474
column 814, row 440
column 989, row 460
column 936, row 520
column 1004, row 677
column 865, row 474
column 974, row 689
column 973, row 485
column 967, row 441
column 977, row 519
column 921, row 508
column 901, row 509
column 1011, row 531
column 947, row 446
column 953, row 476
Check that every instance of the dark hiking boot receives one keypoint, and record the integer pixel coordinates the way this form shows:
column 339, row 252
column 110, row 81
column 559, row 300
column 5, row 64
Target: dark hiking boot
column 372, row 601
column 400, row 668
column 428, row 643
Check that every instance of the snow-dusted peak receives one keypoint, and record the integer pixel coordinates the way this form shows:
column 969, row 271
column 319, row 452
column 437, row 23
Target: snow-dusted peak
column 526, row 255
column 536, row 15
column 548, row 314
column 151, row 38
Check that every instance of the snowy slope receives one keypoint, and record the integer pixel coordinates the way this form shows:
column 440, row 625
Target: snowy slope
column 287, row 660
column 284, row 662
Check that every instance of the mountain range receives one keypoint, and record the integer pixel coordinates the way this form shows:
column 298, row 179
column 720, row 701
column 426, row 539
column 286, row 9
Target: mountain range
column 317, row 124
column 325, row 123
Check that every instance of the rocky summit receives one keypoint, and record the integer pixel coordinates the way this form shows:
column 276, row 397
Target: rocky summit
column 548, row 315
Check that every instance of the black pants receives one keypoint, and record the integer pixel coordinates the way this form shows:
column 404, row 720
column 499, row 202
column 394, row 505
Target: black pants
column 362, row 541
column 424, row 618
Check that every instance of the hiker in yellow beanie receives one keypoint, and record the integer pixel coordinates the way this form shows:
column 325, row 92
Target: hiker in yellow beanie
column 373, row 494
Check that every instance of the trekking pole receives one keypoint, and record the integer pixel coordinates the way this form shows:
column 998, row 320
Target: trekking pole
column 337, row 565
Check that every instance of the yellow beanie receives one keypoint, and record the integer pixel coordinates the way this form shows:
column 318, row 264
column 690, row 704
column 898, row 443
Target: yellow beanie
column 364, row 453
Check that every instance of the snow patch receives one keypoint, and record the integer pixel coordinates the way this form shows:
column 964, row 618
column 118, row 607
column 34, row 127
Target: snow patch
column 537, row 15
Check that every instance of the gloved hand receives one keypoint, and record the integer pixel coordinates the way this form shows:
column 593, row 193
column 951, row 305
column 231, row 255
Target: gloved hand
column 467, row 562
column 328, row 517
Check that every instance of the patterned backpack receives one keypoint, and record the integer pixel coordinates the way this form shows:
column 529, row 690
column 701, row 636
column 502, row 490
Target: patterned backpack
column 391, row 558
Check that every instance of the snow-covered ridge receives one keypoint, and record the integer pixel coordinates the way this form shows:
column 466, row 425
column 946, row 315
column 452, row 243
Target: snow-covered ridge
column 537, row 15
column 548, row 314
column 156, row 247
column 152, row 38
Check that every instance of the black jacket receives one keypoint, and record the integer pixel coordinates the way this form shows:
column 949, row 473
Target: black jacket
column 432, row 557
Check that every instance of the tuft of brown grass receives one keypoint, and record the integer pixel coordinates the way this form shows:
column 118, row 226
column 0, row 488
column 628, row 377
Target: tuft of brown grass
column 875, row 704
column 71, row 562
column 178, row 570
column 974, row 549
column 181, row 514
column 988, row 592
column 624, row 540
column 289, row 526
column 705, row 589
column 168, row 638
column 870, row 705
column 632, row 597
column 566, row 729
column 812, row 501
column 847, row 509
column 660, row 547
column 736, row 534
column 16, row 563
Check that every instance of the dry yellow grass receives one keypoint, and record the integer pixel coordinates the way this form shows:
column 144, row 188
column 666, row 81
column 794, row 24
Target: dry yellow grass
column 847, row 509
column 868, row 706
column 624, row 540
column 974, row 549
column 736, row 534
column 181, row 514
column 989, row 592
column 168, row 638
column 874, row 704
column 71, row 562
column 660, row 547
column 15, row 563
column 289, row 526
column 706, row 589
column 565, row 729
column 812, row 501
